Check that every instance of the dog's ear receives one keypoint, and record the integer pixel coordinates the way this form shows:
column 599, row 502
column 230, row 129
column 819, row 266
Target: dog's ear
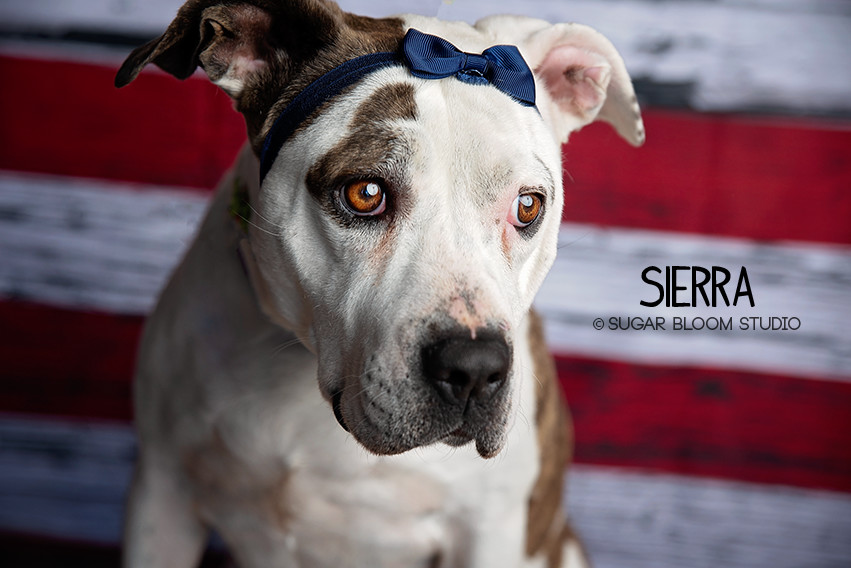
column 586, row 77
column 581, row 70
column 235, row 40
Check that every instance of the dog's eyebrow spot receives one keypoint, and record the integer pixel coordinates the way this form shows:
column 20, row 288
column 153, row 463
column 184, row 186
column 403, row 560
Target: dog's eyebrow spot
column 388, row 103
column 372, row 146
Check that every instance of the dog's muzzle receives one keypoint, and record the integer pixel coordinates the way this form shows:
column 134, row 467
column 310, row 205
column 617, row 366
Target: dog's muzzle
column 455, row 391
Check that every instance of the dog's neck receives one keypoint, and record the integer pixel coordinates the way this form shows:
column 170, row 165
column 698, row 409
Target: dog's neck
column 239, row 191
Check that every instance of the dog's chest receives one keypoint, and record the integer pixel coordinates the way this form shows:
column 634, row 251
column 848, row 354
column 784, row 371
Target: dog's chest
column 334, row 504
column 408, row 510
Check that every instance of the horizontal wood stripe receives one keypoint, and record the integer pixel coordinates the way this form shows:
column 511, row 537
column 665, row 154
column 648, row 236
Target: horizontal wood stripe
column 634, row 519
column 692, row 420
column 71, row 120
column 598, row 275
column 710, row 422
column 69, row 480
column 714, row 174
column 66, row 363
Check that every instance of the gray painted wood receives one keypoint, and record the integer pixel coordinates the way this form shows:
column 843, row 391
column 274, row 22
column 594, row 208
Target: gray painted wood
column 731, row 55
column 110, row 246
column 91, row 244
column 67, row 479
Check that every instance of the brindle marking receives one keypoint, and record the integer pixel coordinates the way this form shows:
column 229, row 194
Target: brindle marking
column 547, row 528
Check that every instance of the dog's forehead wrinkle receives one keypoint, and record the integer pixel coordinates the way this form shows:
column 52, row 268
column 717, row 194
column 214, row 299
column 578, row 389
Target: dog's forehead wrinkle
column 483, row 141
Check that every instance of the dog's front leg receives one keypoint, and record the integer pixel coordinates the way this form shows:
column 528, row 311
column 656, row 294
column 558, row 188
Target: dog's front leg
column 161, row 529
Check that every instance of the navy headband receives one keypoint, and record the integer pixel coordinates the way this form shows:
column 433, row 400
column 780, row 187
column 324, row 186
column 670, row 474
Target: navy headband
column 425, row 56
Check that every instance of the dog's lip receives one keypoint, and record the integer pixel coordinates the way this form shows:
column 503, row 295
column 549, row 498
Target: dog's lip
column 336, row 404
column 460, row 432
column 460, row 436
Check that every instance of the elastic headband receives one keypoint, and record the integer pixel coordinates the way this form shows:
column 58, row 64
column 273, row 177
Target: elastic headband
column 425, row 56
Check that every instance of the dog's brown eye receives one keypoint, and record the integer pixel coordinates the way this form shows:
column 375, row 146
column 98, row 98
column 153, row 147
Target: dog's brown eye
column 364, row 197
column 525, row 209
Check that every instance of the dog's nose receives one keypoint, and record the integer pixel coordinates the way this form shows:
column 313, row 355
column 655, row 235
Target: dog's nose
column 464, row 369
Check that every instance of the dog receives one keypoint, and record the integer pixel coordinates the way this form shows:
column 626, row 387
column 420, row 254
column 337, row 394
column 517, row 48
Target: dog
column 383, row 234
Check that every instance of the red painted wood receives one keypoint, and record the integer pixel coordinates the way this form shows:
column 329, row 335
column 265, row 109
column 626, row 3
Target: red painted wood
column 759, row 178
column 67, row 118
column 711, row 422
column 66, row 363
column 688, row 420
column 712, row 174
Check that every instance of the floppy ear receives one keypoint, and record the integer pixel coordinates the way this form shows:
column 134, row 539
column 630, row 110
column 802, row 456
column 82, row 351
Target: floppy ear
column 581, row 70
column 587, row 79
column 234, row 41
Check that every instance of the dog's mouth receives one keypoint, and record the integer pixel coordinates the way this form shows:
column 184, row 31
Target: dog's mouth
column 458, row 437
column 454, row 390
column 336, row 404
column 488, row 441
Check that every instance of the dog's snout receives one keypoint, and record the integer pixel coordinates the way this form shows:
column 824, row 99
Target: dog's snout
column 464, row 369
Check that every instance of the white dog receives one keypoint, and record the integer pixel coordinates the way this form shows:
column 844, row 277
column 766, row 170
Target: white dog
column 384, row 232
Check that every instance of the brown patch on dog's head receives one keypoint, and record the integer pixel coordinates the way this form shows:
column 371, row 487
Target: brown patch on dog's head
column 388, row 103
column 373, row 147
column 261, row 52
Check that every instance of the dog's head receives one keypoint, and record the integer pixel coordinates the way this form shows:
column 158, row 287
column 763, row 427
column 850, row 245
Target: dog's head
column 403, row 227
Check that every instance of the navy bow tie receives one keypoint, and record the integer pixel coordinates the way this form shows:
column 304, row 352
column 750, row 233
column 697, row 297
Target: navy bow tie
column 432, row 57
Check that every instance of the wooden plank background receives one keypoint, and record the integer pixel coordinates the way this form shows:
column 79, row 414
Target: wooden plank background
column 693, row 448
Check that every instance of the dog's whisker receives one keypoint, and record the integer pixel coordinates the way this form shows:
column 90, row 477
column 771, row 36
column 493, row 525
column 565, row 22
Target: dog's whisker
column 256, row 212
column 285, row 345
column 574, row 241
column 521, row 414
column 248, row 221
column 253, row 224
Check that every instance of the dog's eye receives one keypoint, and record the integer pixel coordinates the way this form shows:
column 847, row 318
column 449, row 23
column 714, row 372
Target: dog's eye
column 364, row 197
column 525, row 209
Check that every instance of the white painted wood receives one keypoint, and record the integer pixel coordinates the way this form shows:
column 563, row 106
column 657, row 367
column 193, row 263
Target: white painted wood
column 91, row 244
column 110, row 246
column 639, row 520
column 64, row 479
column 598, row 275
column 67, row 479
column 734, row 54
